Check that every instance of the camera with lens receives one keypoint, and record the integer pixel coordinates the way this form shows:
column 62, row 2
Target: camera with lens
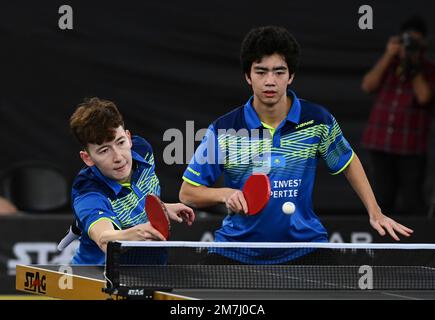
column 410, row 44
column 411, row 62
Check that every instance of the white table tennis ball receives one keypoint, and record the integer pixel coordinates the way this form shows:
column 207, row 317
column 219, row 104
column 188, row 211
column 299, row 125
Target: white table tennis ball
column 288, row 208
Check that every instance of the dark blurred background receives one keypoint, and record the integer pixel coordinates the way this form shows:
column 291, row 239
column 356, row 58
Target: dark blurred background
column 167, row 62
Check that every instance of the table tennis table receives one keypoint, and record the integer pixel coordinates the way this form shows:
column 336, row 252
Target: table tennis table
column 88, row 283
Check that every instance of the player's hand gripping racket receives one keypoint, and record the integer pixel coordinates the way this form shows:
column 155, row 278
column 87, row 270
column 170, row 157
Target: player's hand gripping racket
column 157, row 214
column 256, row 192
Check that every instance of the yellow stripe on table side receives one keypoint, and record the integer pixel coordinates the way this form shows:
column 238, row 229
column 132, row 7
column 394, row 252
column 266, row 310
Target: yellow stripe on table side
column 57, row 284
column 161, row 295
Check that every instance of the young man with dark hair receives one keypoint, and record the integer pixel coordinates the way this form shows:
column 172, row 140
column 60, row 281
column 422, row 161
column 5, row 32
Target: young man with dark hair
column 397, row 133
column 108, row 195
column 300, row 134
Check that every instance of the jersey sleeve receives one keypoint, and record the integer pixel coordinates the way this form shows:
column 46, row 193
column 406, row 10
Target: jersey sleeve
column 334, row 149
column 93, row 207
column 206, row 165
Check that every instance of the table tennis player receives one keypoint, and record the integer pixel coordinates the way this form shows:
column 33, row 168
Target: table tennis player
column 108, row 194
column 277, row 133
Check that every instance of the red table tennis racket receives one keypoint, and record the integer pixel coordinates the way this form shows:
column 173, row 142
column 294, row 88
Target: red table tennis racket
column 157, row 214
column 256, row 192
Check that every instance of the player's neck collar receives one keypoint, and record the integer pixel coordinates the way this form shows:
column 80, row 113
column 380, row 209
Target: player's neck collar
column 253, row 121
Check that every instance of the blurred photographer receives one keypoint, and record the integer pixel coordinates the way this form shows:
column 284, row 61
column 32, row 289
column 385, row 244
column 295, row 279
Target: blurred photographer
column 398, row 129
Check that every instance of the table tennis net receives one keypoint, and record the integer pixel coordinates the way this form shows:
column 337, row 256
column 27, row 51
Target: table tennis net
column 286, row 266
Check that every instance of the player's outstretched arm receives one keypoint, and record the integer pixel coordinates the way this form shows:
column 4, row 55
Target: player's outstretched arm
column 202, row 196
column 103, row 231
column 358, row 180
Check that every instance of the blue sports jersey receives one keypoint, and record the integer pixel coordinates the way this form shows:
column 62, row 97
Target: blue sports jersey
column 96, row 197
column 289, row 156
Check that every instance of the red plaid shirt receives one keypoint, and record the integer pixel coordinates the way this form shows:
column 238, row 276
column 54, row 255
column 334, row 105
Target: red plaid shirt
column 398, row 123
